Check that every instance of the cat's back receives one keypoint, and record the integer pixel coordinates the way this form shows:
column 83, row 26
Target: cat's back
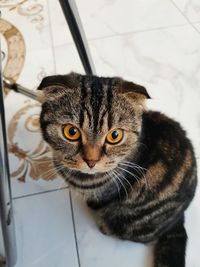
column 166, row 188
column 169, row 156
column 158, row 126
column 165, row 139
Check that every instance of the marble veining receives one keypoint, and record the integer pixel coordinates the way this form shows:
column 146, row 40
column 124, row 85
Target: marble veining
column 190, row 8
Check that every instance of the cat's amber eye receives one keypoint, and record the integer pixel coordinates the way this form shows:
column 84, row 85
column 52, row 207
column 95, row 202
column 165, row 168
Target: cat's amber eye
column 71, row 132
column 114, row 136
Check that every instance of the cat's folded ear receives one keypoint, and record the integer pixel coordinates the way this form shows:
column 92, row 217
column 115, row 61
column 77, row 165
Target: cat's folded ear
column 52, row 85
column 67, row 81
column 133, row 92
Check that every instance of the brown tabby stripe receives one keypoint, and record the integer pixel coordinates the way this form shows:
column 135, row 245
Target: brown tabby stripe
column 83, row 97
column 88, row 186
column 145, row 204
column 95, row 101
column 109, row 102
column 149, row 206
column 148, row 232
column 102, row 118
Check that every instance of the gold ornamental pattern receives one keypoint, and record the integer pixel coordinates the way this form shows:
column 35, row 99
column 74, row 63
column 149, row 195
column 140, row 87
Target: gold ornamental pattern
column 35, row 161
column 16, row 50
column 30, row 9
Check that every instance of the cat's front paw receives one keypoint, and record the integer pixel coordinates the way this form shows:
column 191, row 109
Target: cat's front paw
column 104, row 229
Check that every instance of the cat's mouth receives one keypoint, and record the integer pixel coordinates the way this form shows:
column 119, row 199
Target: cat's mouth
column 86, row 175
column 91, row 172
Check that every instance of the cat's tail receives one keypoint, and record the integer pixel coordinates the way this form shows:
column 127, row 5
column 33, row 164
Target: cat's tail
column 170, row 248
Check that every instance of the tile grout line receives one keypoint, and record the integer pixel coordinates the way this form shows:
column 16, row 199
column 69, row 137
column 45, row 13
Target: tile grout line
column 129, row 33
column 71, row 204
column 140, row 31
column 40, row 193
column 74, row 227
column 188, row 20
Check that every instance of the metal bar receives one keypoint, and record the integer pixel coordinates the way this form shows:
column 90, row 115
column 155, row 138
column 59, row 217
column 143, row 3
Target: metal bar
column 6, row 210
column 73, row 19
column 20, row 89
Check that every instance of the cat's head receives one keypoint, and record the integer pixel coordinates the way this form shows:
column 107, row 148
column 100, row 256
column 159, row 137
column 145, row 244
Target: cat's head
column 92, row 123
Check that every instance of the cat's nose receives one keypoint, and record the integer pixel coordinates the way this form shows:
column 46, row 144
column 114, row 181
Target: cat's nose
column 91, row 163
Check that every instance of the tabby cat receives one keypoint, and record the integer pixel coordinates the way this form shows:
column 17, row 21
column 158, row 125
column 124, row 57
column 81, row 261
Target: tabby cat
column 136, row 168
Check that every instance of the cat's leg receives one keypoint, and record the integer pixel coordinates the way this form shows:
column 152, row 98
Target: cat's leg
column 170, row 248
column 101, row 223
column 103, row 228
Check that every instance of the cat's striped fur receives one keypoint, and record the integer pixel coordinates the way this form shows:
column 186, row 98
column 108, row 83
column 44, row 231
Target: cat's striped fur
column 140, row 187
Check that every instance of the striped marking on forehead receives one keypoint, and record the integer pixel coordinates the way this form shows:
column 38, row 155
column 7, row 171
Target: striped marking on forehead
column 109, row 102
column 96, row 100
column 83, row 97
column 96, row 92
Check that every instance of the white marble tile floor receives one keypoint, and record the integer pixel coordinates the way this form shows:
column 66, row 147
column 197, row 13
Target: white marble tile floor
column 44, row 230
column 155, row 43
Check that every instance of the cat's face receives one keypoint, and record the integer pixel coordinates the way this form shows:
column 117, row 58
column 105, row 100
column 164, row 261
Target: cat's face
column 91, row 123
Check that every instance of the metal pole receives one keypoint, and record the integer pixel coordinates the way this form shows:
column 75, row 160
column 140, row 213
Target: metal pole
column 20, row 89
column 6, row 211
column 73, row 19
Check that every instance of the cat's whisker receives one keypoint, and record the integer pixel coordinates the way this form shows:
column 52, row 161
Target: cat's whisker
column 143, row 175
column 52, row 172
column 121, row 182
column 134, row 164
column 142, row 168
column 136, row 168
column 42, row 161
column 49, row 175
column 32, row 162
column 134, row 176
column 124, row 178
column 60, row 185
column 115, row 182
column 49, row 171
column 63, row 180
